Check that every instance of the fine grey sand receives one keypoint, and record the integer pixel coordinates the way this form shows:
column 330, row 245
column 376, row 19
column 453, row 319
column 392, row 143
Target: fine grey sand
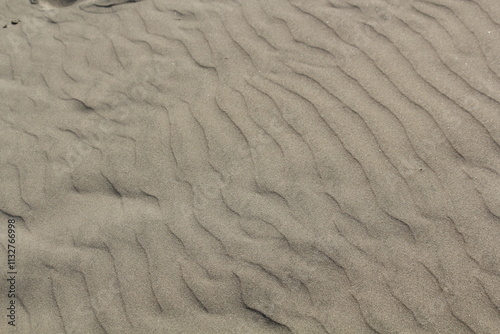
column 250, row 166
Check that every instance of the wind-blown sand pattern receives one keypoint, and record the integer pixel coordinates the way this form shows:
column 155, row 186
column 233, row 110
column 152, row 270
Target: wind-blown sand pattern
column 272, row 166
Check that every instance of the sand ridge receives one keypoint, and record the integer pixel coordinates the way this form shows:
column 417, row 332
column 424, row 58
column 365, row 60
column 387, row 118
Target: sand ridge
column 278, row 166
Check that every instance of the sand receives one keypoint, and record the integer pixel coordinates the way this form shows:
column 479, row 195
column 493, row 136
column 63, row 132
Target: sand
column 250, row 166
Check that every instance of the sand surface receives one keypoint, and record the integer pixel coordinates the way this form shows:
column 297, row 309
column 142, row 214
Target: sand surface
column 250, row 166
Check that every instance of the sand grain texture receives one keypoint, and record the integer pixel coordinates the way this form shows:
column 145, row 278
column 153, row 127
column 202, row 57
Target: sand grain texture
column 272, row 166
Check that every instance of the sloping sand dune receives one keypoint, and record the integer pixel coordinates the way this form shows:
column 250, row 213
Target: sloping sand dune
column 272, row 166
